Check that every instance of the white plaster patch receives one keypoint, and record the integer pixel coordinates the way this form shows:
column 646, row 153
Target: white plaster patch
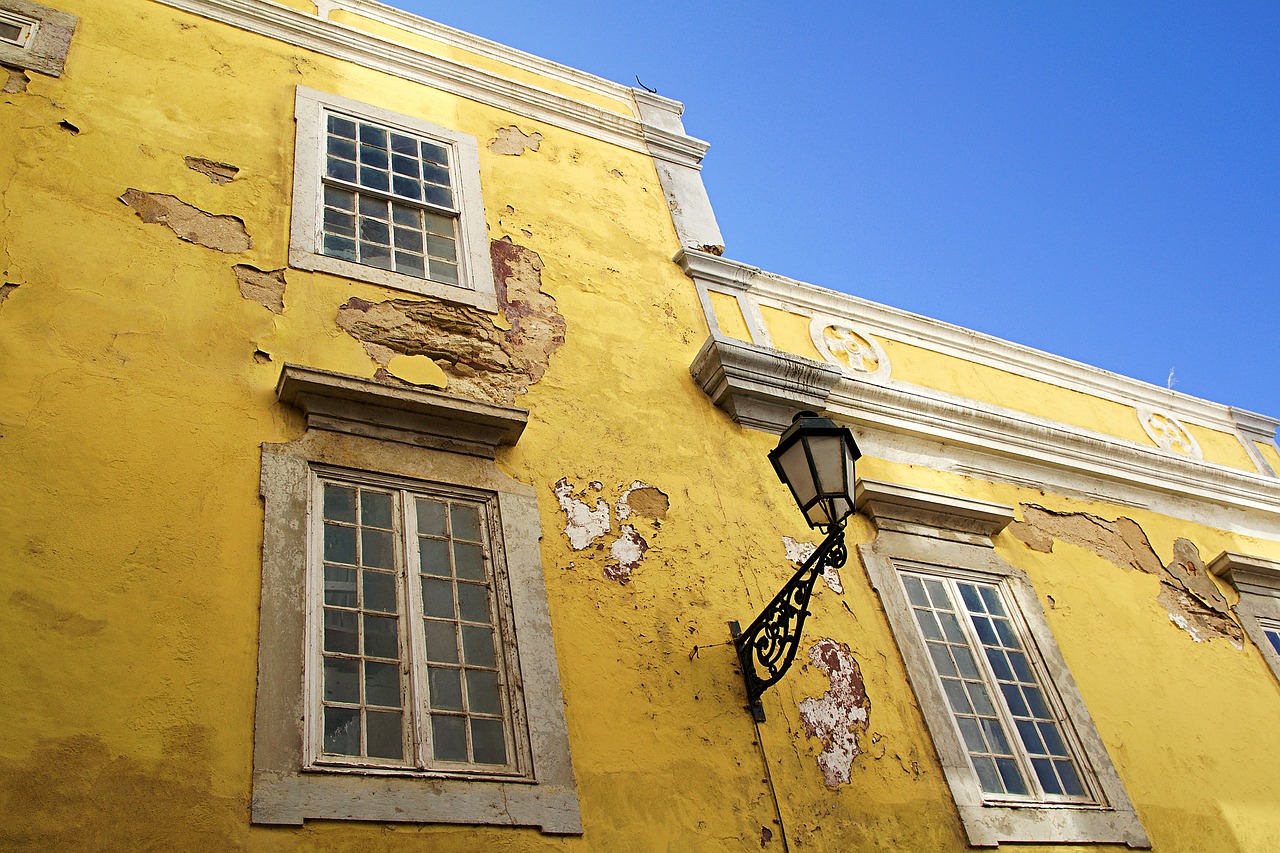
column 585, row 524
column 840, row 715
column 798, row 552
column 628, row 550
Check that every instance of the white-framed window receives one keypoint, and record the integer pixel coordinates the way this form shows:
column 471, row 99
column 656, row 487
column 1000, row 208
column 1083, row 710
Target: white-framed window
column 1257, row 580
column 34, row 37
column 406, row 664
column 1020, row 751
column 412, row 608
column 388, row 198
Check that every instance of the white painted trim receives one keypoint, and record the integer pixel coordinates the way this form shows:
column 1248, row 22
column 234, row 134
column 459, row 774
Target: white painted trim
column 475, row 268
column 1174, row 433
column 1257, row 579
column 818, row 325
column 328, row 38
column 44, row 41
column 724, row 275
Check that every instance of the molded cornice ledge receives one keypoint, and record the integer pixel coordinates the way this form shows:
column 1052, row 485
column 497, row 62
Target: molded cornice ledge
column 349, row 404
column 906, row 509
column 1248, row 574
column 709, row 269
column 761, row 388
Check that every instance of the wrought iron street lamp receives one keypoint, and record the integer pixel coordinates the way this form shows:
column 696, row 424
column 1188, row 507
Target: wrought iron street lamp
column 815, row 459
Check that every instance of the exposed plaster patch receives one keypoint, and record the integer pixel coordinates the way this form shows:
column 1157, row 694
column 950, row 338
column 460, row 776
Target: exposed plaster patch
column 798, row 552
column 262, row 356
column 7, row 288
column 627, row 551
column 1187, row 592
column 478, row 358
column 644, row 500
column 513, row 141
column 217, row 173
column 266, row 287
column 224, row 233
column 17, row 82
column 841, row 715
column 585, row 524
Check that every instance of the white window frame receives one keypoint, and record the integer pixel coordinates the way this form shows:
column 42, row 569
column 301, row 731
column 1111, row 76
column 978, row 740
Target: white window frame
column 475, row 267
column 412, row 659
column 45, row 39
column 412, row 436
column 942, row 535
column 1257, row 580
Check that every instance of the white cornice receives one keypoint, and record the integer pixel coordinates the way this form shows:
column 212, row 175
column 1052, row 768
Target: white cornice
column 337, row 40
column 891, row 506
column 945, row 338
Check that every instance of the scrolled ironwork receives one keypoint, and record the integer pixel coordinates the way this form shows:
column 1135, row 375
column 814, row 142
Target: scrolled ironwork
column 768, row 646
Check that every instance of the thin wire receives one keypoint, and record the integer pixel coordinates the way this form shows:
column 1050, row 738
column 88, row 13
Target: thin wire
column 768, row 777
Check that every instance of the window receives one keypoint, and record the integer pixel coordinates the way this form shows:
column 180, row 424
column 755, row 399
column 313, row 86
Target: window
column 1019, row 749
column 409, row 584
column 35, row 37
column 1257, row 579
column 399, row 569
column 389, row 199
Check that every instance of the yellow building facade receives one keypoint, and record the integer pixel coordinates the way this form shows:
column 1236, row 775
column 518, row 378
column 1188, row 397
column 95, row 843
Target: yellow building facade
column 385, row 429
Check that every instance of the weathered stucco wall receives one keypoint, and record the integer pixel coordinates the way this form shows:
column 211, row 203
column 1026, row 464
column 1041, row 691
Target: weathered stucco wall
column 139, row 349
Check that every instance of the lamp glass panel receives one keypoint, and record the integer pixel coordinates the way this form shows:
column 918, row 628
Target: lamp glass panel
column 828, row 460
column 795, row 466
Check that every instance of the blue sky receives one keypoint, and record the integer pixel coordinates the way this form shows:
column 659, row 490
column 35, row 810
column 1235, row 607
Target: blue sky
column 1100, row 180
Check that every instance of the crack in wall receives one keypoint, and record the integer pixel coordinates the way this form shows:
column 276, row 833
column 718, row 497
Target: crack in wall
column 1187, row 592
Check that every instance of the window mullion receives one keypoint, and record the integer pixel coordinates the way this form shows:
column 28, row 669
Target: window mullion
column 328, row 180
column 414, row 663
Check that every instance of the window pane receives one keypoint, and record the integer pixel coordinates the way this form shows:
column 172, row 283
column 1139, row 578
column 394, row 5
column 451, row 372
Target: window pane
column 915, row 591
column 382, row 684
column 344, row 148
column 339, row 586
column 342, row 127
column 437, row 598
column 466, row 522
column 375, row 509
column 1044, row 772
column 370, row 135
column 987, row 775
column 381, row 637
column 380, row 591
column 1011, row 776
column 385, row 735
column 1274, row 637
column 434, row 153
column 444, row 273
column 448, row 738
column 339, row 503
column 468, row 561
column 473, row 602
column 373, row 157
column 342, row 200
column 410, row 264
column 482, row 692
column 341, row 731
column 340, row 631
column 339, row 544
column 1070, row 779
column 956, row 696
column 442, row 641
column 446, row 688
column 433, row 554
column 341, row 680
column 377, row 549
column 340, row 247
column 489, row 741
column 477, row 646
column 430, row 516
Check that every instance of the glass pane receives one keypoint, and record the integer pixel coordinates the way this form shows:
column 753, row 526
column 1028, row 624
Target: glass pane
column 466, row 522
column 374, row 179
column 942, row 661
column 951, row 628
column 477, row 646
column 795, row 466
column 375, row 136
column 1020, row 666
column 938, row 595
column 1035, row 702
column 442, row 641
column 972, row 734
column 992, row 600
column 375, row 157
column 468, row 561
column 339, row 586
column 339, row 544
column 987, row 775
column 1052, row 740
column 343, row 200
column 431, row 517
column 928, row 624
column 377, row 549
column 409, row 264
column 341, row 170
column 444, row 272
column 964, row 661
column 956, row 696
column 437, row 598
column 381, row 637
column 442, row 247
column 340, row 631
column 375, row 231
column 409, row 240
column 1274, row 637
column 407, row 166
column 999, row 665
column 446, row 688
column 473, row 602
column 985, row 632
column 828, row 461
column 375, row 509
column 915, row 591
column 1030, row 736
column 342, row 680
column 434, row 153
column 972, row 600
column 448, row 738
column 336, row 222
column 995, row 737
column 437, row 224
column 404, row 145
column 374, row 207
column 435, row 174
column 1044, row 772
column 433, row 554
column 339, row 503
column 407, row 187
column 340, row 247
column 482, row 692
column 1013, row 698
column 342, row 127
column 341, row 731
column 380, row 592
column 981, row 700
column 1011, row 776
column 1070, row 780
column 382, row 684
column 488, row 741
column 376, row 256
column 385, row 734
column 1005, row 633
column 344, row 148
